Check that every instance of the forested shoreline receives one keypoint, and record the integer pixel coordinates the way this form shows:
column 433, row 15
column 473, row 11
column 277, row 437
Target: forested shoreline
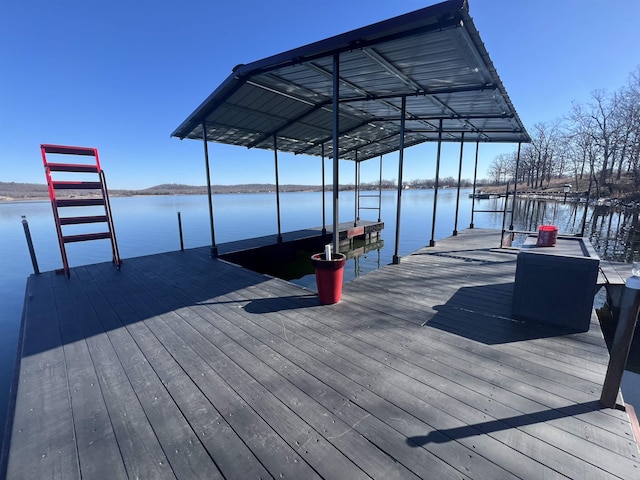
column 595, row 146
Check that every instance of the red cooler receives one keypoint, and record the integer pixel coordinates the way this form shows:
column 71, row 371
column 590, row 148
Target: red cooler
column 329, row 275
column 547, row 236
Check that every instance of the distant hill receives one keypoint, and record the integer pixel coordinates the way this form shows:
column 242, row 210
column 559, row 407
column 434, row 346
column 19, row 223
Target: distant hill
column 33, row 191
column 22, row 191
column 177, row 189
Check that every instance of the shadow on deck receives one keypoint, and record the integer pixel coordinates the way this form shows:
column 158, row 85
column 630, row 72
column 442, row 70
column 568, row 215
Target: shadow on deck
column 483, row 314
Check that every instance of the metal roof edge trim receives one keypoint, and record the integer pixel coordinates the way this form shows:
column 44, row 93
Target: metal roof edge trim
column 418, row 19
column 404, row 24
column 473, row 32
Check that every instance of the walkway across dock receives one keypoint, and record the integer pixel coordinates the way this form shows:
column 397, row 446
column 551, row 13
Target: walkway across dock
column 182, row 366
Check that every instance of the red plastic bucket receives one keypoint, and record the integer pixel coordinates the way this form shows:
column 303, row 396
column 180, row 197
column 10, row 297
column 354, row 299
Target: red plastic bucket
column 547, row 236
column 329, row 275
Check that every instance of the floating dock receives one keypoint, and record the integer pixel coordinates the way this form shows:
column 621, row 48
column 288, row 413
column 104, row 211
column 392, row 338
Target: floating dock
column 183, row 366
column 347, row 231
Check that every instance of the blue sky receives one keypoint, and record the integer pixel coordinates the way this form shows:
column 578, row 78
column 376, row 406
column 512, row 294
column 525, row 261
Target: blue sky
column 121, row 76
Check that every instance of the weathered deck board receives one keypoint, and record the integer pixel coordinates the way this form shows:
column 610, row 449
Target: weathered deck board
column 137, row 440
column 180, row 442
column 209, row 426
column 43, row 418
column 97, row 446
column 180, row 366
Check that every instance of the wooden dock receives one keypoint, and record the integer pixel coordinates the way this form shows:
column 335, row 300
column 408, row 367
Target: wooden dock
column 182, row 366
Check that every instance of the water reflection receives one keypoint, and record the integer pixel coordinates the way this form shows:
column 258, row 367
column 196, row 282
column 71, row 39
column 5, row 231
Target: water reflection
column 613, row 230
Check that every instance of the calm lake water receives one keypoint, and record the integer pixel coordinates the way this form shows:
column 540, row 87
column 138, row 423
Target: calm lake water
column 148, row 225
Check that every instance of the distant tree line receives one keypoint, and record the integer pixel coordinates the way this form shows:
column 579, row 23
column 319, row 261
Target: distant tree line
column 27, row 191
column 443, row 182
column 597, row 142
column 419, row 183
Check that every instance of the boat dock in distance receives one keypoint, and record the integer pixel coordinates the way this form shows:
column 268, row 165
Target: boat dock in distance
column 184, row 366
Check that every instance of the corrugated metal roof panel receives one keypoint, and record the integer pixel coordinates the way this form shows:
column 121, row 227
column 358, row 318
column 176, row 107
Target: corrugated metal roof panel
column 434, row 57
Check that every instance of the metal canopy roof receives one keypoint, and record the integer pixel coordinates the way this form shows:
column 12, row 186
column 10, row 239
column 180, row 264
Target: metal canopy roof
column 434, row 57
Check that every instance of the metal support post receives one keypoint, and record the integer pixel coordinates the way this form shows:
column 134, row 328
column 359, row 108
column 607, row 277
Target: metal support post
column 324, row 219
column 432, row 242
column 336, row 151
column 455, row 223
column 214, row 247
column 180, row 231
column 356, row 199
column 396, row 256
column 629, row 307
column 504, row 215
column 275, row 155
column 515, row 190
column 32, row 252
column 475, row 178
column 380, row 193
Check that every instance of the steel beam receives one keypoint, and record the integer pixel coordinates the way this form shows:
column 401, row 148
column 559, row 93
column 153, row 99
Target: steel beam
column 324, row 219
column 396, row 256
column 380, row 193
column 425, row 93
column 515, row 187
column 432, row 242
column 475, row 178
column 357, row 192
column 455, row 223
column 214, row 247
column 275, row 156
column 336, row 151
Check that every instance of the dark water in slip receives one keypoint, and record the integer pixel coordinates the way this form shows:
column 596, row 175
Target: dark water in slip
column 148, row 225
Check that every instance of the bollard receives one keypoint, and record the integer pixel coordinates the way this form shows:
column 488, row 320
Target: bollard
column 32, row 252
column 180, row 230
column 629, row 306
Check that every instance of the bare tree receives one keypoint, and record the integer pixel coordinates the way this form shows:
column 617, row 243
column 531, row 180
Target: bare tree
column 544, row 153
column 629, row 118
column 499, row 169
column 599, row 140
column 598, row 120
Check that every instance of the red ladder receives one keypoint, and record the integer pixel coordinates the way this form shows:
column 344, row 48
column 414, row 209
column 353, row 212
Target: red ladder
column 101, row 199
